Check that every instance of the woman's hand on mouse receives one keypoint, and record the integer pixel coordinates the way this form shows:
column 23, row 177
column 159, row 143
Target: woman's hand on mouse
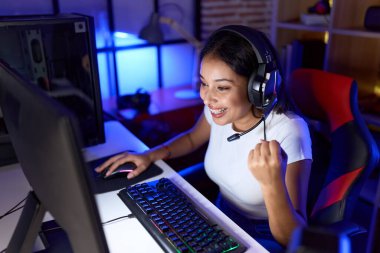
column 142, row 161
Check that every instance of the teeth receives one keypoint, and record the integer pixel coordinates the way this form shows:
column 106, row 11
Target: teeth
column 217, row 111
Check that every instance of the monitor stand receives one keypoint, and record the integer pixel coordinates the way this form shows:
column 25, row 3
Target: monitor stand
column 28, row 226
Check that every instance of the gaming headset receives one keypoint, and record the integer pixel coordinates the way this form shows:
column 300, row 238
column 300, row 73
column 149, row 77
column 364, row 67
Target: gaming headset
column 264, row 82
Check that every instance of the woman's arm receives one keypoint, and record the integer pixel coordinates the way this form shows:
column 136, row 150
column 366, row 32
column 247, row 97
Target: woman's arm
column 285, row 194
column 184, row 143
column 180, row 145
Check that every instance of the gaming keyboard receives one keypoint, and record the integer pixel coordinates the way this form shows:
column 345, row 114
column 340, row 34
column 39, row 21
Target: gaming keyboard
column 174, row 221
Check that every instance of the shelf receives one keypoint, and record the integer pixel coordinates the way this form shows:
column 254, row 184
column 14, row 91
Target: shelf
column 357, row 32
column 294, row 25
column 350, row 50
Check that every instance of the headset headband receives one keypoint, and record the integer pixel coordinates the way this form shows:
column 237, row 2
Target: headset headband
column 256, row 39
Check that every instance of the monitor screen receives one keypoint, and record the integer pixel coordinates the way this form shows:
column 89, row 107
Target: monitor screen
column 46, row 138
column 57, row 53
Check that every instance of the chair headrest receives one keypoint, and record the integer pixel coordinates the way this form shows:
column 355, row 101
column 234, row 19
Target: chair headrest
column 323, row 96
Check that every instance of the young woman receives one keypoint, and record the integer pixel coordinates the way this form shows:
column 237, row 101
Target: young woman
column 263, row 175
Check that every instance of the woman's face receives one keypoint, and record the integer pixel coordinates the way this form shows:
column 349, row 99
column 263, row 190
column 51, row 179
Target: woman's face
column 224, row 92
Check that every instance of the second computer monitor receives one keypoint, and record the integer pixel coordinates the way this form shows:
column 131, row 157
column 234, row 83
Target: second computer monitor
column 47, row 142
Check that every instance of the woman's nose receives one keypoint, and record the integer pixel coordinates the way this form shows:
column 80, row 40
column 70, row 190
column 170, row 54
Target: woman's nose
column 207, row 95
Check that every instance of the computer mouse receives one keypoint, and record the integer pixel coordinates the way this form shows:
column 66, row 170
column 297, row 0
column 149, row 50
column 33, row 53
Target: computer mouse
column 121, row 171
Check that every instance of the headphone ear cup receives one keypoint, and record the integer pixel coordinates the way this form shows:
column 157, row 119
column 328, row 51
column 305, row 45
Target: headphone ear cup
column 272, row 86
column 254, row 91
column 139, row 101
column 256, row 86
column 263, row 93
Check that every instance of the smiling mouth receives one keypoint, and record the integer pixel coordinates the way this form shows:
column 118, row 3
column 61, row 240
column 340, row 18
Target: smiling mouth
column 217, row 111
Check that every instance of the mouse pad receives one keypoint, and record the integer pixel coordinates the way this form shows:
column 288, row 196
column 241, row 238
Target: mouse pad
column 101, row 185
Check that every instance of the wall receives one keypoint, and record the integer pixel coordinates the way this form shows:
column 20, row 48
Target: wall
column 253, row 13
column 133, row 72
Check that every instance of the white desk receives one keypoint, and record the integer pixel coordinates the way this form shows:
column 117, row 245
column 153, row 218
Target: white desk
column 126, row 235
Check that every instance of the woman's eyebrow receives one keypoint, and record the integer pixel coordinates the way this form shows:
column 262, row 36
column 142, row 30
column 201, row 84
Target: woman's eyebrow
column 224, row 80
column 221, row 79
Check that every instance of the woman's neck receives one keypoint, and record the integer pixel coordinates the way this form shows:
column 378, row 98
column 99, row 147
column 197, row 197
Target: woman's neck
column 247, row 122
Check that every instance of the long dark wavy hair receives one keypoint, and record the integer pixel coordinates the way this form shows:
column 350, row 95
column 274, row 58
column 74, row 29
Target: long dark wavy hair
column 239, row 55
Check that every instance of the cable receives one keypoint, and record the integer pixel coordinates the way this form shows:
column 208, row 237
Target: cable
column 13, row 209
column 3, row 251
column 51, row 229
column 129, row 216
column 265, row 132
column 238, row 135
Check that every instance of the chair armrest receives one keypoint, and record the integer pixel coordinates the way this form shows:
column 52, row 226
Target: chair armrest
column 350, row 229
column 356, row 234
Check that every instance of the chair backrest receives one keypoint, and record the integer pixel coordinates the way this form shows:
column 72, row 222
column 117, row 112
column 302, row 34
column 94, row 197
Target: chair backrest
column 344, row 153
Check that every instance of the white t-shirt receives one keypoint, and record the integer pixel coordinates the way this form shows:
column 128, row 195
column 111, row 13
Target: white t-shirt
column 226, row 163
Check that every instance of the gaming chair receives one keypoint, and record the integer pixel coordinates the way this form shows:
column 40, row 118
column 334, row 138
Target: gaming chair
column 344, row 151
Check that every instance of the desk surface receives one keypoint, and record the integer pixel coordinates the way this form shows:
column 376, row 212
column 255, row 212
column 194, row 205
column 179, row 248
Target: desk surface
column 124, row 235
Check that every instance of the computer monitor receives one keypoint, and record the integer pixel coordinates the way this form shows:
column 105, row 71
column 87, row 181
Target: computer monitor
column 58, row 54
column 47, row 142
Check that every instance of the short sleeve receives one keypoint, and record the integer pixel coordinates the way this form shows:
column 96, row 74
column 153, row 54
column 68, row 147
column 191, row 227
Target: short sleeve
column 295, row 140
